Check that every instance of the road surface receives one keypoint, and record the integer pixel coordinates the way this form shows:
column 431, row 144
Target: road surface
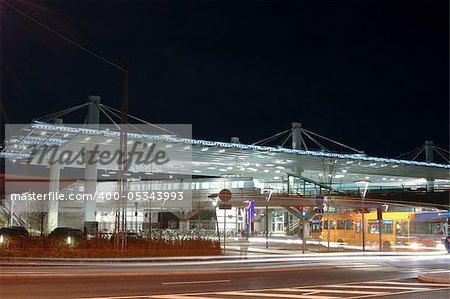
column 335, row 276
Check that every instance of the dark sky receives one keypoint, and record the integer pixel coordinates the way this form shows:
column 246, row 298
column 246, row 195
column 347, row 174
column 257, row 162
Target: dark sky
column 373, row 75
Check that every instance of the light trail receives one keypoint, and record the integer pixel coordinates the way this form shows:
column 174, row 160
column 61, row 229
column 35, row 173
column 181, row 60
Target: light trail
column 330, row 258
column 197, row 282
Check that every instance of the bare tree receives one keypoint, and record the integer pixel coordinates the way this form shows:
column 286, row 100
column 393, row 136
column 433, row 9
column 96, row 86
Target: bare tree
column 37, row 215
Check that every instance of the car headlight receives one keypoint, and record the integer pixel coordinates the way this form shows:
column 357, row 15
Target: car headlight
column 415, row 245
column 1, row 239
column 440, row 246
column 69, row 240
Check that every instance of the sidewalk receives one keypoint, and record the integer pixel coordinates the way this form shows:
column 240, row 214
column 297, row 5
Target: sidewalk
column 277, row 245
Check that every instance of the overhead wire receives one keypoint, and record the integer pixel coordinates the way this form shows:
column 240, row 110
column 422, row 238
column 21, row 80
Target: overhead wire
column 62, row 36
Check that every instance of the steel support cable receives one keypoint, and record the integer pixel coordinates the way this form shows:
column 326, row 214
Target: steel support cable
column 141, row 120
column 120, row 117
column 333, row 141
column 272, row 137
column 61, row 112
column 414, row 151
column 287, row 138
column 440, row 148
column 57, row 115
column 316, row 142
column 443, row 156
column 109, row 117
column 423, row 148
column 111, row 109
column 62, row 36
column 266, row 140
column 415, row 154
column 302, row 140
column 442, row 151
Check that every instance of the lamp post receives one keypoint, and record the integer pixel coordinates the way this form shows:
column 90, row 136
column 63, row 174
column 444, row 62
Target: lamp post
column 267, row 216
column 136, row 216
column 363, row 223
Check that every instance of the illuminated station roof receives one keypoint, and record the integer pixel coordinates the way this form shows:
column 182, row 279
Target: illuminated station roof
column 224, row 159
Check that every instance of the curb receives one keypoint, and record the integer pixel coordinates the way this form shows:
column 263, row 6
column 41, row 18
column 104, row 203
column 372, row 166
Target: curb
column 434, row 278
column 157, row 273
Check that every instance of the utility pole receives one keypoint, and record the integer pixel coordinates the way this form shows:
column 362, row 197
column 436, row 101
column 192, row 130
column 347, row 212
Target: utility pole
column 303, row 235
column 267, row 216
column 120, row 229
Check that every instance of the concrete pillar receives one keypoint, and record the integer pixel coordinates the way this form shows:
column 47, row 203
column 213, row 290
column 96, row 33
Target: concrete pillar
column 184, row 224
column 430, row 159
column 90, row 186
column 429, row 151
column 93, row 118
column 55, row 178
column 296, row 135
column 90, row 173
column 430, row 185
column 53, row 205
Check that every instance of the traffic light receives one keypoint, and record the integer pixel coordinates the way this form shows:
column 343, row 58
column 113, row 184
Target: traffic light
column 303, row 211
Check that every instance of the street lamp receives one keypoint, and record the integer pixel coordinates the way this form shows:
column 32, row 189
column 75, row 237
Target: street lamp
column 363, row 224
column 267, row 214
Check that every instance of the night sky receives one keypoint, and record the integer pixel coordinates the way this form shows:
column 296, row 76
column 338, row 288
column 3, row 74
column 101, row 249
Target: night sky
column 373, row 75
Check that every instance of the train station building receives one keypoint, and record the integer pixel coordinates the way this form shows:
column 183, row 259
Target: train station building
column 172, row 181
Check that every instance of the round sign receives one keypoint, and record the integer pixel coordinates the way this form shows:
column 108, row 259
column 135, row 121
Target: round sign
column 319, row 200
column 225, row 195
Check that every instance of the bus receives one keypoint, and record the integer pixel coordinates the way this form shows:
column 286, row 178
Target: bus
column 398, row 229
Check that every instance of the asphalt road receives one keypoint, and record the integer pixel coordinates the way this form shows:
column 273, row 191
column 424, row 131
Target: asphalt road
column 254, row 277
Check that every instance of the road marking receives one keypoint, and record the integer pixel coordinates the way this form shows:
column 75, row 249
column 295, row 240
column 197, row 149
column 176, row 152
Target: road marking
column 363, row 289
column 411, row 283
column 121, row 297
column 198, row 281
column 316, row 291
column 177, row 297
column 355, row 286
column 271, row 295
column 400, row 293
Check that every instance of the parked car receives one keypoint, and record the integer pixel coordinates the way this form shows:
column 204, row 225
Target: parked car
column 10, row 234
column 64, row 232
column 69, row 235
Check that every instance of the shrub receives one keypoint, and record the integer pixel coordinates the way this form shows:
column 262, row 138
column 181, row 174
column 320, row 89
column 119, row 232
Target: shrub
column 104, row 247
